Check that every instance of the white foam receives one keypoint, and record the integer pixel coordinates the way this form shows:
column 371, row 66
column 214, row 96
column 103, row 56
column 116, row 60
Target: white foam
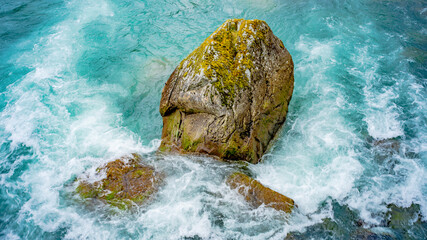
column 308, row 183
column 381, row 115
column 382, row 118
column 385, row 189
column 12, row 236
column 395, row 177
column 315, row 161
column 39, row 115
column 315, row 51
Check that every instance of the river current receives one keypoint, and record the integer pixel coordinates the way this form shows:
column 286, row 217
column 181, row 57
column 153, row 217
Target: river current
column 80, row 85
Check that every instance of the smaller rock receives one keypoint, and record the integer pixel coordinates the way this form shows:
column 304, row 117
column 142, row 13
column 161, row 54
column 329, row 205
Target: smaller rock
column 401, row 218
column 327, row 229
column 126, row 182
column 406, row 222
column 257, row 194
column 369, row 234
column 385, row 149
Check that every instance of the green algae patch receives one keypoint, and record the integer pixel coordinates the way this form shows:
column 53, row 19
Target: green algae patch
column 171, row 131
column 87, row 190
column 188, row 144
column 257, row 194
column 127, row 182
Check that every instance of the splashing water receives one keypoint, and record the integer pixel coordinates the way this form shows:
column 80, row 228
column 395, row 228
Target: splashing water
column 81, row 84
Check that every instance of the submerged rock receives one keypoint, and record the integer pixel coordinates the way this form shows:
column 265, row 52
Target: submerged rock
column 369, row 234
column 257, row 194
column 342, row 224
column 407, row 222
column 230, row 96
column 402, row 218
column 124, row 182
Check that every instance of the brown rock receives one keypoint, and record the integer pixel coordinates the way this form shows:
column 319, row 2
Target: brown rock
column 230, row 96
column 257, row 194
column 127, row 181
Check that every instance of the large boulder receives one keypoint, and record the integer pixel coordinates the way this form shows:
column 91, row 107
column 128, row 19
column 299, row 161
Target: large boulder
column 230, row 96
column 257, row 194
column 122, row 183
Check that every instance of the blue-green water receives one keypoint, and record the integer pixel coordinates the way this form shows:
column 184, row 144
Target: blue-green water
column 80, row 84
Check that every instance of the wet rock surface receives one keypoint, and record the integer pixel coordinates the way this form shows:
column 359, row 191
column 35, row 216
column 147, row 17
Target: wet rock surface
column 257, row 194
column 124, row 182
column 230, row 96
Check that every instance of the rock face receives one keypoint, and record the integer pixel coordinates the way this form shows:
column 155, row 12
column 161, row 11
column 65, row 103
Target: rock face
column 125, row 182
column 230, row 96
column 257, row 194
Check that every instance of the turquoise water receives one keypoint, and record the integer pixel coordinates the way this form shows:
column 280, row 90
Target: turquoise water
column 81, row 84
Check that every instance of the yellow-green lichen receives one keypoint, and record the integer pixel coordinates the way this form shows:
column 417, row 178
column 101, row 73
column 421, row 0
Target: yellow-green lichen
column 225, row 57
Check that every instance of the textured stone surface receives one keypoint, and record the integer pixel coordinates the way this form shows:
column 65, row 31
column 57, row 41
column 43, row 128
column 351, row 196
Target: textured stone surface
column 230, row 96
column 126, row 181
column 257, row 194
